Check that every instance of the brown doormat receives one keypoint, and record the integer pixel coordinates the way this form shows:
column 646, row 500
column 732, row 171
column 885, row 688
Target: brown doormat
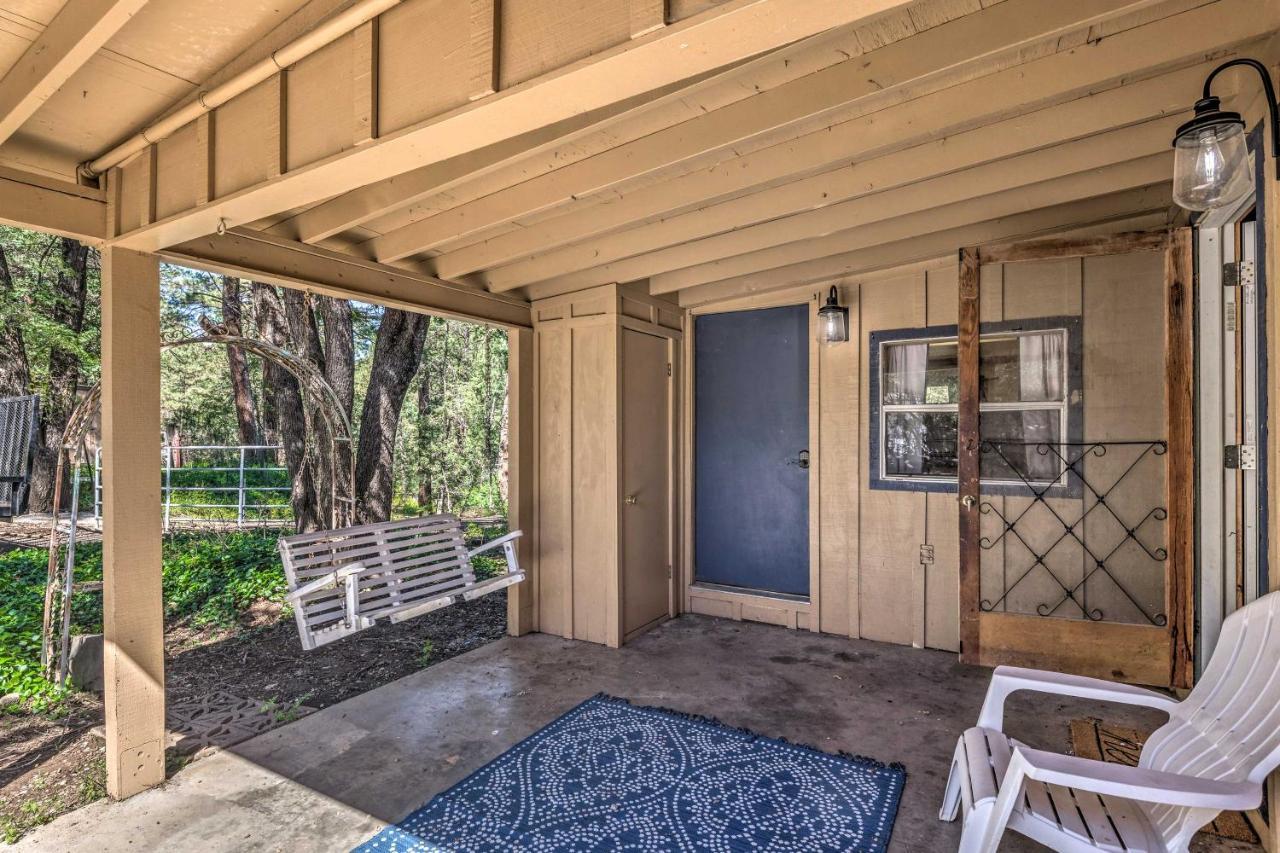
column 1102, row 741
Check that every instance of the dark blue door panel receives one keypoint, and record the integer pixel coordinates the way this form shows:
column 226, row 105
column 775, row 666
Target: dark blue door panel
column 751, row 416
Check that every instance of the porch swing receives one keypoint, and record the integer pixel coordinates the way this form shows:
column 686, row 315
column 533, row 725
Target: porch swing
column 341, row 580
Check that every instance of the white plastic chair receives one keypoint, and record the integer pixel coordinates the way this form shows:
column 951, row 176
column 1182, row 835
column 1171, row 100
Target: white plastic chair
column 1219, row 745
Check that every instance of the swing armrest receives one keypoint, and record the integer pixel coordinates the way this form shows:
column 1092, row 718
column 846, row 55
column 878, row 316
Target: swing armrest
column 496, row 543
column 329, row 581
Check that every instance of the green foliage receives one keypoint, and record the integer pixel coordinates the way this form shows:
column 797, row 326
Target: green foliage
column 208, row 580
column 35, row 261
column 22, row 576
column 214, row 579
column 284, row 712
column 427, row 654
column 450, row 451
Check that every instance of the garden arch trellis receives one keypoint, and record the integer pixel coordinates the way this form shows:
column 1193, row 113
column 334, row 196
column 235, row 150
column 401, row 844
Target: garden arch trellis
column 318, row 396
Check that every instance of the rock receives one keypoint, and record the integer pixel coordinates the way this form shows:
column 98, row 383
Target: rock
column 86, row 662
column 9, row 699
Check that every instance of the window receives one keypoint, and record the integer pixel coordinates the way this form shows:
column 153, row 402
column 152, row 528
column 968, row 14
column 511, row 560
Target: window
column 1025, row 383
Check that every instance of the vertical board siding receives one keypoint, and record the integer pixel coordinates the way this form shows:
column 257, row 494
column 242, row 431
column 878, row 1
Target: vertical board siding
column 555, row 472
column 537, row 36
column 891, row 523
column 594, row 485
column 424, row 66
column 839, row 455
column 320, row 88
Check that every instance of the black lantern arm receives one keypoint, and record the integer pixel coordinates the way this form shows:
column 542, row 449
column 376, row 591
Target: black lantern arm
column 1267, row 87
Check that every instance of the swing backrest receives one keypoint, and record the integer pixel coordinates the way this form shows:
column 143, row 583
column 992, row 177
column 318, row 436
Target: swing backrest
column 401, row 564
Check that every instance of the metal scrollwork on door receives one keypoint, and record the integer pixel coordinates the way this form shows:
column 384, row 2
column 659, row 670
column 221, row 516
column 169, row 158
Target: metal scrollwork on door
column 1098, row 500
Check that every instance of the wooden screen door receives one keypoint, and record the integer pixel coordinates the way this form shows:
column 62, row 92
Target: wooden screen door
column 1076, row 454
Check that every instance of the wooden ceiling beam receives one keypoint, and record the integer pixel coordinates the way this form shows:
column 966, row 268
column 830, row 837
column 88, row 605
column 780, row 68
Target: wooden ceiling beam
column 57, row 207
column 719, row 37
column 919, row 178
column 72, row 37
column 316, row 270
column 1148, row 201
column 877, row 77
column 943, row 115
column 1134, row 174
column 361, row 205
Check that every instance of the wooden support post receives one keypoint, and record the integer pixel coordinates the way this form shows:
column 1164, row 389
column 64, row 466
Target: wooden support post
column 521, row 598
column 132, row 610
column 970, row 455
column 1179, row 281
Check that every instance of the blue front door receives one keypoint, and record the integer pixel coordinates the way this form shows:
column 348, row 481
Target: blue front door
column 751, row 438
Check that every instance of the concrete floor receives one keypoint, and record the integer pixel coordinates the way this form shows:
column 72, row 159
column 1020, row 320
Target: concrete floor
column 332, row 779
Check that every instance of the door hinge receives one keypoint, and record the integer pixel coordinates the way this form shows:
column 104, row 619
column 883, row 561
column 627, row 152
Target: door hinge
column 1241, row 457
column 926, row 555
column 668, row 368
column 1237, row 273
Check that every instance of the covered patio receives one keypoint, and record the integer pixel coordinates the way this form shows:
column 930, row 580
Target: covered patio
column 666, row 204
column 332, row 779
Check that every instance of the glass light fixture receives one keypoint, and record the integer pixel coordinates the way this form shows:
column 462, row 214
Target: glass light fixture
column 833, row 321
column 1211, row 158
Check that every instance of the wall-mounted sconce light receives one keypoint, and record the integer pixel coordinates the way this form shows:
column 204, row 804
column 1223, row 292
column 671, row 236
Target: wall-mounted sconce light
column 833, row 321
column 1211, row 159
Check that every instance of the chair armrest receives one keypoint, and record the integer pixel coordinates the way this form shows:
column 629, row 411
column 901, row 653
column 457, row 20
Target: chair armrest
column 1134, row 783
column 1010, row 679
column 496, row 543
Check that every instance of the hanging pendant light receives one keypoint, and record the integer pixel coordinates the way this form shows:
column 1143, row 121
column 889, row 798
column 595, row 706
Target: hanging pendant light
column 833, row 321
column 1211, row 158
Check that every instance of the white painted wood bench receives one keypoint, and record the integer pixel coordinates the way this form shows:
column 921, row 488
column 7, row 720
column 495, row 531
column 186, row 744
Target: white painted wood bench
column 1213, row 755
column 343, row 581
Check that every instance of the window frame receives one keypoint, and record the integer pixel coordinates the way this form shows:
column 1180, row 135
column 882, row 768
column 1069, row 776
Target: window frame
column 1071, row 407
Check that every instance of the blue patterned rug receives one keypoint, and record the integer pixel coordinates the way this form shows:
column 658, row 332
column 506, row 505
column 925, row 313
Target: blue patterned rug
column 611, row 776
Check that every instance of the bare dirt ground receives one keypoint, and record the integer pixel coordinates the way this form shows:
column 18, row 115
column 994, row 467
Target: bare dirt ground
column 52, row 765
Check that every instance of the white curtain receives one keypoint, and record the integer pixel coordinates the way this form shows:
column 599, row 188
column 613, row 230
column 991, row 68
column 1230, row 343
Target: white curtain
column 1040, row 365
column 905, row 376
column 905, row 373
column 1041, row 361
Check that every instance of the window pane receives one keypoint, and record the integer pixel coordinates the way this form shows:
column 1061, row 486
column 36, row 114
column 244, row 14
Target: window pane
column 1021, row 445
column 920, row 444
column 1023, row 368
column 920, row 373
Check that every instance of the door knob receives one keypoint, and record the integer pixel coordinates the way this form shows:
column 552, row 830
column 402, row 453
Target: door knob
column 632, row 499
column 804, row 459
column 968, row 501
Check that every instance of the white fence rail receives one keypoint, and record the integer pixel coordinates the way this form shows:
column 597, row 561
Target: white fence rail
column 252, row 480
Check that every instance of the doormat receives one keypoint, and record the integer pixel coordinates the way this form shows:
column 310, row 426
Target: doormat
column 1101, row 741
column 612, row 776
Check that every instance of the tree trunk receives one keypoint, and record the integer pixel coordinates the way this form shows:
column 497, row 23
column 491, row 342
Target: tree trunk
column 241, row 387
column 290, row 411
column 71, row 287
column 425, row 496
column 15, row 370
column 396, row 355
column 304, row 337
column 268, row 320
column 340, row 351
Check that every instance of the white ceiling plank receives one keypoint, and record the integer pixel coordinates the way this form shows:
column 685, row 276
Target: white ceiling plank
column 1143, row 172
column 1116, row 207
column 70, row 40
